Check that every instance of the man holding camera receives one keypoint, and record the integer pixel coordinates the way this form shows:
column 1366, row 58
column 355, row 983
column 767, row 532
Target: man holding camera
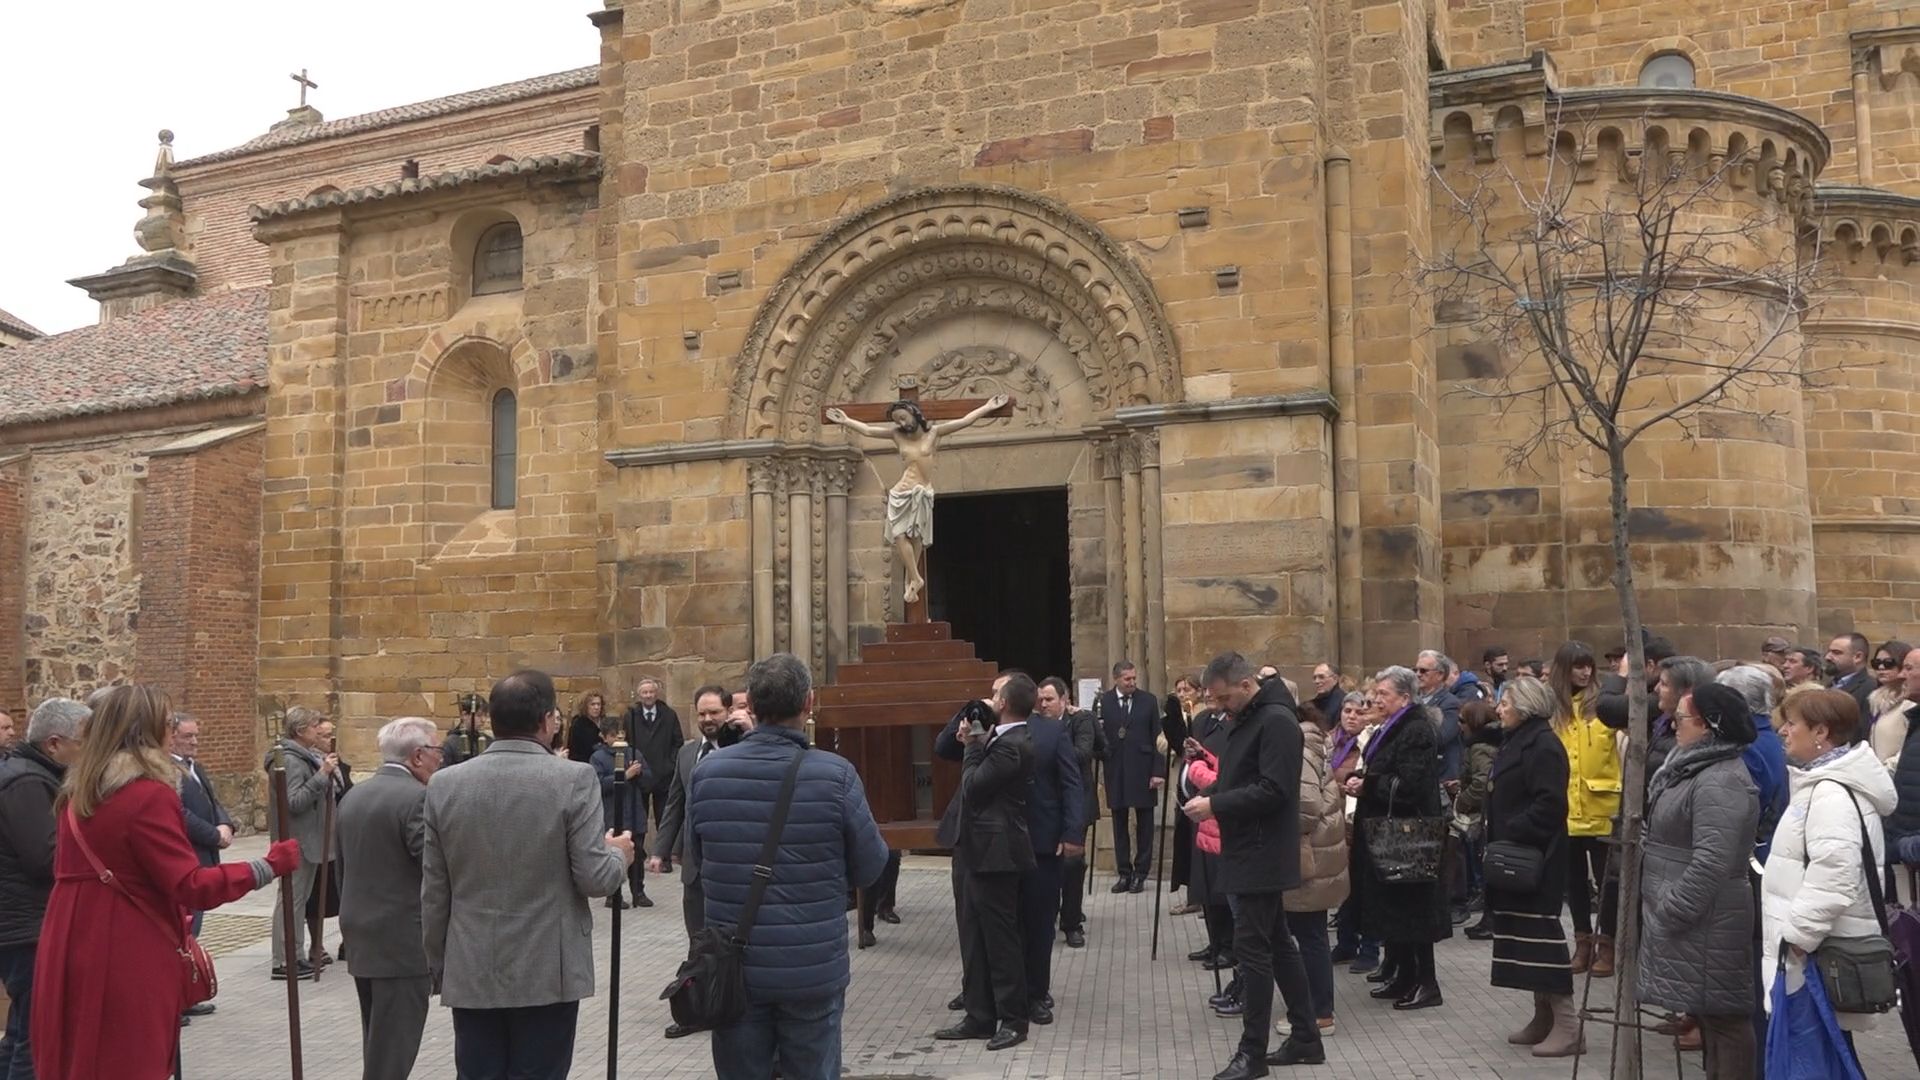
column 998, row 847
column 717, row 729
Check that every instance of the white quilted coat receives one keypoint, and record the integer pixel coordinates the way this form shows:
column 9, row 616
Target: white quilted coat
column 1814, row 886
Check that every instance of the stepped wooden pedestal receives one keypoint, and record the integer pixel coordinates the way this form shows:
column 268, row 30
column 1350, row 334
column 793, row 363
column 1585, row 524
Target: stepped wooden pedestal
column 918, row 678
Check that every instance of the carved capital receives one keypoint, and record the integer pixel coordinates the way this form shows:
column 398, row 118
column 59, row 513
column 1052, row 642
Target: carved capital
column 763, row 475
column 1148, row 444
column 839, row 473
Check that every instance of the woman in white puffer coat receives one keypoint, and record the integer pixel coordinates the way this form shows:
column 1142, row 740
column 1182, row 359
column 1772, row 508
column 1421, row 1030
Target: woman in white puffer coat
column 1814, row 886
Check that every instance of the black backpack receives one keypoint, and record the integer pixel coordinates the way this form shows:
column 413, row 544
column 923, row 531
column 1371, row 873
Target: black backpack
column 710, row 989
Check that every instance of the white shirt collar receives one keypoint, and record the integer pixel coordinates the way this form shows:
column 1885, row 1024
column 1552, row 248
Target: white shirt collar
column 1002, row 729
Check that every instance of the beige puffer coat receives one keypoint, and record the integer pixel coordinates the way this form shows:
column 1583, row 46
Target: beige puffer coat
column 1323, row 830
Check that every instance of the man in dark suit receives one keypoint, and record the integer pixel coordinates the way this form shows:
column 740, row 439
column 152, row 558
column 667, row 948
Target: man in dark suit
column 653, row 730
column 1257, row 801
column 1130, row 720
column 1088, row 744
column 998, row 844
column 1056, row 806
column 950, row 745
column 382, row 831
column 209, row 828
column 1847, row 666
column 1434, row 670
column 710, row 711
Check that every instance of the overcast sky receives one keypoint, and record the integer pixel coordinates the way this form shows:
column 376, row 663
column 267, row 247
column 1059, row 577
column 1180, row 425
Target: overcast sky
column 84, row 88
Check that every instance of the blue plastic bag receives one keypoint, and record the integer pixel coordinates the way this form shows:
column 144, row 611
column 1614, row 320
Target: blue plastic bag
column 1804, row 1040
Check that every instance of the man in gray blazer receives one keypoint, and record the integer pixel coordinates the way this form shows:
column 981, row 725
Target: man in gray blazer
column 311, row 768
column 382, row 836
column 710, row 708
column 514, row 849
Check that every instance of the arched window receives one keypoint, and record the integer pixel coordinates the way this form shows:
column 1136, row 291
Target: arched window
column 506, row 444
column 496, row 260
column 1668, row 71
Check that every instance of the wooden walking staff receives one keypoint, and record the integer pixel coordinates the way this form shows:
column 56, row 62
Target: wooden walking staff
column 613, row 962
column 277, row 779
column 1160, row 857
column 1093, row 836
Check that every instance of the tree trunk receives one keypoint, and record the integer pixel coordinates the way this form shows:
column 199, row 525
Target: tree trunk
column 1626, row 1052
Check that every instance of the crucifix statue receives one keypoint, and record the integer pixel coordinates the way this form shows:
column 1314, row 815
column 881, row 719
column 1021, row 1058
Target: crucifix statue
column 306, row 84
column 915, row 427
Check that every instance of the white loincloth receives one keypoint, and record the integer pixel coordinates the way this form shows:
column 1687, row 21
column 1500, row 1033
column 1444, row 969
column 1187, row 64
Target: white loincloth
column 910, row 514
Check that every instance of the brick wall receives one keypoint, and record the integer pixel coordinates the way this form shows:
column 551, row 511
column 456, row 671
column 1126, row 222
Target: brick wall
column 13, row 592
column 199, row 594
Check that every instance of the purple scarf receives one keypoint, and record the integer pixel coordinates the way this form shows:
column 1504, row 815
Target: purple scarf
column 1381, row 735
column 1343, row 745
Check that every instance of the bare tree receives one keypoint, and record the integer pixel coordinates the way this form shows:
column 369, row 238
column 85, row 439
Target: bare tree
column 1624, row 285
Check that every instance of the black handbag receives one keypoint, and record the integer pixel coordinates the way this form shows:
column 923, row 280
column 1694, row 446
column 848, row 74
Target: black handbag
column 1511, row 866
column 710, row 989
column 1858, row 972
column 1405, row 850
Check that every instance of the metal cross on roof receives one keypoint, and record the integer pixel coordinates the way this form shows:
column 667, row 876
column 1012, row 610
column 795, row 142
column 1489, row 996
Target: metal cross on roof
column 306, row 84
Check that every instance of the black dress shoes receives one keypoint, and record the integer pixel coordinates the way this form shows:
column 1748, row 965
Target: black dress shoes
column 1008, row 1035
column 1391, row 991
column 1424, row 996
column 1243, row 1066
column 867, row 940
column 1047, row 1000
column 963, row 1030
column 1381, row 974
column 1122, row 885
column 680, row 1031
column 959, row 1002
column 1295, row 1052
column 1076, row 939
column 205, row 1008
column 1231, row 993
column 1222, row 961
column 1040, row 1014
column 1233, row 1006
column 1138, row 885
column 889, row 917
column 618, row 902
column 640, row 898
column 1202, row 953
column 1480, row 931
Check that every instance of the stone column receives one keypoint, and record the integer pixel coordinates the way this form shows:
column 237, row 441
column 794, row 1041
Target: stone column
column 839, row 479
column 1136, row 642
column 760, row 485
column 800, row 557
column 1863, row 115
column 1155, row 594
column 1107, row 453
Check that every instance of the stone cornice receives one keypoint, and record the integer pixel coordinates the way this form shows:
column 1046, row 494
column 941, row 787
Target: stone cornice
column 1873, row 525
column 201, row 440
column 549, row 167
column 1300, row 403
column 1494, row 82
column 1638, row 103
column 722, row 450
column 181, row 414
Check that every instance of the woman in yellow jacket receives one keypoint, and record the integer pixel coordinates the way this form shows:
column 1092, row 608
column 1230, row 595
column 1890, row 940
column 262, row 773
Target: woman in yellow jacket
column 1593, row 799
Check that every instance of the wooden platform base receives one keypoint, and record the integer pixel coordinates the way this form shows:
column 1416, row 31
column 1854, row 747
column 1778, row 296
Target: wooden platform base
column 918, row 678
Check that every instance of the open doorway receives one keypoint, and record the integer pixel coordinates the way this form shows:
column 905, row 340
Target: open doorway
column 998, row 571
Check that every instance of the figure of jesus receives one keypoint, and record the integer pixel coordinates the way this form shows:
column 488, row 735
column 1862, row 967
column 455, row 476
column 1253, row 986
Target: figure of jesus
column 910, row 503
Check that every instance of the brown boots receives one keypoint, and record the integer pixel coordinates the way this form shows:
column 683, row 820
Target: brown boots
column 1582, row 953
column 1602, row 957
column 1539, row 1027
column 1565, row 1039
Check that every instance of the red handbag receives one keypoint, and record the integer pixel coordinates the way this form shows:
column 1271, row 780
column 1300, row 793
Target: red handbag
column 197, row 975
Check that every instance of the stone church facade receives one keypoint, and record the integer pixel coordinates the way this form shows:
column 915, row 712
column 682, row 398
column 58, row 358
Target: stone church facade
column 560, row 406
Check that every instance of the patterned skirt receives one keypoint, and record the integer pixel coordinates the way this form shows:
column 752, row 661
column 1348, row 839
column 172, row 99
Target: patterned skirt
column 1530, row 953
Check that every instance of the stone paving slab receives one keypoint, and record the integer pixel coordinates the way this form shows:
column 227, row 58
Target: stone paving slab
column 1120, row 1014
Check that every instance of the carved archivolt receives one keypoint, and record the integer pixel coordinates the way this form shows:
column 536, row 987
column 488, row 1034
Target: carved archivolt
column 877, row 278
column 985, row 370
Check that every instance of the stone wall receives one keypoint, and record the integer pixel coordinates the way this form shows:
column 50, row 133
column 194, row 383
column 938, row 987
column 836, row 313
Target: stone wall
column 390, row 584
column 13, row 592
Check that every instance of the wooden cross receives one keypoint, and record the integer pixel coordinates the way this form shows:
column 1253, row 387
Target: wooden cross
column 935, row 410
column 306, row 84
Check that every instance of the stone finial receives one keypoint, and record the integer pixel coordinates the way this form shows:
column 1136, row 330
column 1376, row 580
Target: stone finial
column 164, row 227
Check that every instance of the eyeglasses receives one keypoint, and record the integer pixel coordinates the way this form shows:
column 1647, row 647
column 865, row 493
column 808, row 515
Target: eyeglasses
column 1423, row 671
column 1882, row 663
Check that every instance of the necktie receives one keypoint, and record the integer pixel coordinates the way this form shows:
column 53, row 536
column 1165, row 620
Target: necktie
column 649, row 716
column 705, row 748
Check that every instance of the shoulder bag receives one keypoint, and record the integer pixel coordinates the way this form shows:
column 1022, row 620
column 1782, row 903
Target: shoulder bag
column 1405, row 850
column 710, row 989
column 1859, row 971
column 196, row 975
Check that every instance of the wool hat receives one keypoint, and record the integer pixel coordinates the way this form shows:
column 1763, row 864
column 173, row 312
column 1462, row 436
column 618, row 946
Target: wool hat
column 1725, row 711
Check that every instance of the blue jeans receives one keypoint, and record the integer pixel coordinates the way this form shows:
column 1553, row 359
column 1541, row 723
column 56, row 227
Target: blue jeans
column 16, row 973
column 1309, row 930
column 801, row 1037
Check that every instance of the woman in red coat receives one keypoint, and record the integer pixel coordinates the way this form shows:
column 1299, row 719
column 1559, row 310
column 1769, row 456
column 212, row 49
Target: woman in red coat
column 110, row 982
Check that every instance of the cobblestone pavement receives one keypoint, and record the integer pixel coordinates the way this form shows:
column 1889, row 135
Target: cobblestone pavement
column 1120, row 1015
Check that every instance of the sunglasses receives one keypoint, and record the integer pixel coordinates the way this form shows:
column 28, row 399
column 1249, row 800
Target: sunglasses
column 1881, row 663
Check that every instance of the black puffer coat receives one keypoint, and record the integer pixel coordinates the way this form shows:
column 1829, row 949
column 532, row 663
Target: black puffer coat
column 1527, row 804
column 1408, row 751
column 1696, row 903
column 29, row 781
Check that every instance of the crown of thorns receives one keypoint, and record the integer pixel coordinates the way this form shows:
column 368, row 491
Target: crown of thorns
column 919, row 418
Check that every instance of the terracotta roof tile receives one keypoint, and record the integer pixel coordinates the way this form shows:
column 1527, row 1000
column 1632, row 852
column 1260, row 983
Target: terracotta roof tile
column 574, row 163
column 505, row 93
column 18, row 326
column 206, row 347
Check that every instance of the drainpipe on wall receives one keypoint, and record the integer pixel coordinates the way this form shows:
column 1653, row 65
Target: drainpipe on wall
column 1340, row 383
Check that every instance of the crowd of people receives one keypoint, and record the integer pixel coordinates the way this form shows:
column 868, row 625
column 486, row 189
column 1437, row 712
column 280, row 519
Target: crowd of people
column 1357, row 826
